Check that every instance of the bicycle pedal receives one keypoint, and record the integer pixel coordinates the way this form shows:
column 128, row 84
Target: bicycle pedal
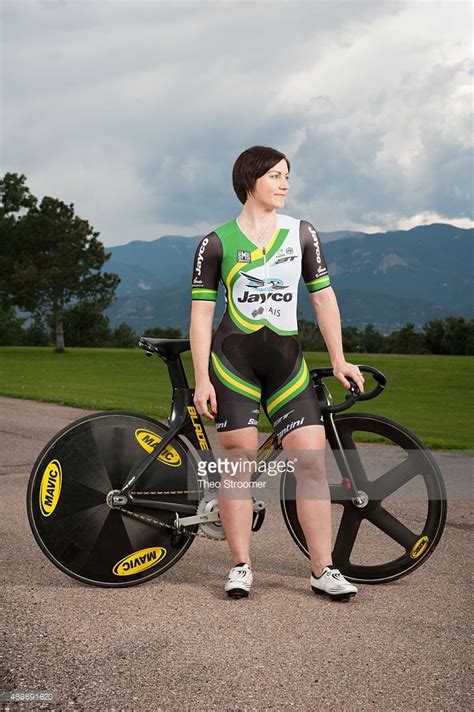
column 179, row 538
column 258, row 518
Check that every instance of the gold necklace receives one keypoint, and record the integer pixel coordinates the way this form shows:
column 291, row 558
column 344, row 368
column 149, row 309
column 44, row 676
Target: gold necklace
column 260, row 237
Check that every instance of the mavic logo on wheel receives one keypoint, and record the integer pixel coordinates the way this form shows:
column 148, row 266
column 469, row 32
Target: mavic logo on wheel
column 419, row 547
column 148, row 440
column 139, row 561
column 50, row 488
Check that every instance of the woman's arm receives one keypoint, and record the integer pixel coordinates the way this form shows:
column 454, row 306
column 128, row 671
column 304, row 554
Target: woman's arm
column 200, row 336
column 326, row 310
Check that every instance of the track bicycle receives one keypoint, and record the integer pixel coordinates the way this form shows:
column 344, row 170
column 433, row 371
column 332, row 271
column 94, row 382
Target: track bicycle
column 116, row 498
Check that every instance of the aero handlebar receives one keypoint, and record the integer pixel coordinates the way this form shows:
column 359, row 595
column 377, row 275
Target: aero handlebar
column 354, row 393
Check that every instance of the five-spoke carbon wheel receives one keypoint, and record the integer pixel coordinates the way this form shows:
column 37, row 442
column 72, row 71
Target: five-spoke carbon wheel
column 397, row 520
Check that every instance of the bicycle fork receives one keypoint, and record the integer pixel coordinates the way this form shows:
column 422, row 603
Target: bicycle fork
column 348, row 462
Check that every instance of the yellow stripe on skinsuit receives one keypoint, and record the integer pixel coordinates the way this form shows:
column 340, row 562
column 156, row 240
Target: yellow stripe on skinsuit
column 229, row 379
column 285, row 394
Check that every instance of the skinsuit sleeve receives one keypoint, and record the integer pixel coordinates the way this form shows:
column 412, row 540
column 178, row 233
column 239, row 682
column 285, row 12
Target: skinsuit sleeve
column 313, row 263
column 207, row 268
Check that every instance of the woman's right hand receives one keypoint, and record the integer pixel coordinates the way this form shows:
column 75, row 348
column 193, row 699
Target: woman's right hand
column 204, row 392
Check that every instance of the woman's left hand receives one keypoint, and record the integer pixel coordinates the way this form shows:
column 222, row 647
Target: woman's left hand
column 349, row 369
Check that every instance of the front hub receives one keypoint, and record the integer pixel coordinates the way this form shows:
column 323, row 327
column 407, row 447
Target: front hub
column 362, row 499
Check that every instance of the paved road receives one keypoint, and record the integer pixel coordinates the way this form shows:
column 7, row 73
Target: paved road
column 177, row 643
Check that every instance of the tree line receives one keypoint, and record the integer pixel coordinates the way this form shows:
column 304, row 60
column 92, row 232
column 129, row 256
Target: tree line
column 450, row 336
column 85, row 326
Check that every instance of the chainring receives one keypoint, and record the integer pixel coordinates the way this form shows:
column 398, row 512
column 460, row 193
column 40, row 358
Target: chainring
column 213, row 530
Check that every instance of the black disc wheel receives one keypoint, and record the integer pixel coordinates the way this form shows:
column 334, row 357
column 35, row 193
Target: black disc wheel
column 68, row 500
column 397, row 521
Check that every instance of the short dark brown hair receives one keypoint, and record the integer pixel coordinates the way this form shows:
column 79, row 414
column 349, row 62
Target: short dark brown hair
column 252, row 164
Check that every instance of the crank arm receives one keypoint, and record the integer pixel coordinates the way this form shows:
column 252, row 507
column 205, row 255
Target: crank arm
column 199, row 519
column 258, row 506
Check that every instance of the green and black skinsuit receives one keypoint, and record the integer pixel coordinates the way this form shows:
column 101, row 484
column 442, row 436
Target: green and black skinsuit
column 255, row 352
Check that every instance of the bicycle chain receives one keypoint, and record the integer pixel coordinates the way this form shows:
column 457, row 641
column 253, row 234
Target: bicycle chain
column 168, row 492
column 156, row 522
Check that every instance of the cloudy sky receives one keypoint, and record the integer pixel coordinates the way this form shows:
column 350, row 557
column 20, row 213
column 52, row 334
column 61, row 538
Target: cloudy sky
column 136, row 110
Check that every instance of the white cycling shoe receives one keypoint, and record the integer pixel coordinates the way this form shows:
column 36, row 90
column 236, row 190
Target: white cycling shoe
column 333, row 584
column 239, row 581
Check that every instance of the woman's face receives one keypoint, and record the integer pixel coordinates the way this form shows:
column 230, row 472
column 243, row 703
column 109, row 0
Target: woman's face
column 270, row 189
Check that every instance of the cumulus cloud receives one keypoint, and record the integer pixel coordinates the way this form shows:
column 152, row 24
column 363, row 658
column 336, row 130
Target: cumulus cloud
column 135, row 111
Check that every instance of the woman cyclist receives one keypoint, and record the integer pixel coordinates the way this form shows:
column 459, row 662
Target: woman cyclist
column 255, row 357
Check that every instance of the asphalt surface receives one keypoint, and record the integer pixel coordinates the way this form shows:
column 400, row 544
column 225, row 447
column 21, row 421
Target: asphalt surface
column 178, row 643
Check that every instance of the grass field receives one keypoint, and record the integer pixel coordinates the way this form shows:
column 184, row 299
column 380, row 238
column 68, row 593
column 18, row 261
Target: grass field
column 431, row 395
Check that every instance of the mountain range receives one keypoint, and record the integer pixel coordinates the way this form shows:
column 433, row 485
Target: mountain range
column 385, row 278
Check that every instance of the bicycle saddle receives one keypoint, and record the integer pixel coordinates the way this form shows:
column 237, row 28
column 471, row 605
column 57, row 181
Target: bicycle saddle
column 165, row 347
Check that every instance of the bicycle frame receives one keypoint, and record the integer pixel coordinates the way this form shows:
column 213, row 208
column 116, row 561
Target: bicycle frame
column 185, row 420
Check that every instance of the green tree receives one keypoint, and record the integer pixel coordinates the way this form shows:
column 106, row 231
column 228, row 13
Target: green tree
column 15, row 199
column 57, row 259
column 406, row 341
column 456, row 335
column 11, row 327
column 351, row 339
column 86, row 325
column 470, row 339
column 434, row 336
column 372, row 342
column 37, row 333
column 15, row 196
column 124, row 337
column 310, row 337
